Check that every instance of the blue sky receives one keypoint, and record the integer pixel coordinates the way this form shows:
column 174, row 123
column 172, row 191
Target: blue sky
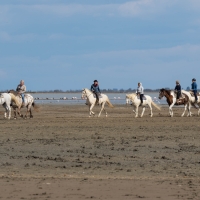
column 57, row 44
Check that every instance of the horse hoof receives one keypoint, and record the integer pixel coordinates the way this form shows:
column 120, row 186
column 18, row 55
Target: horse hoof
column 31, row 116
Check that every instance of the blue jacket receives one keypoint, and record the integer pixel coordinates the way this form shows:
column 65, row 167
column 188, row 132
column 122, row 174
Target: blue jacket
column 194, row 86
column 95, row 88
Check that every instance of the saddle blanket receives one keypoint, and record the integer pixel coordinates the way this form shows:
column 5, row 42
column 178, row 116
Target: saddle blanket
column 100, row 96
column 144, row 98
column 192, row 93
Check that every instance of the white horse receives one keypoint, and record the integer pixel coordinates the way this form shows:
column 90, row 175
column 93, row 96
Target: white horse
column 136, row 103
column 28, row 103
column 192, row 99
column 91, row 101
column 5, row 100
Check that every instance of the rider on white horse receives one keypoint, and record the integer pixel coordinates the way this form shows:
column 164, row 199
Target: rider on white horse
column 194, row 89
column 21, row 89
column 140, row 92
column 96, row 90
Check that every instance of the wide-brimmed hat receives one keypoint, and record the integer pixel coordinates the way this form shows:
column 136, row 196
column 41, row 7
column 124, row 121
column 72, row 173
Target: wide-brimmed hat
column 95, row 81
column 194, row 79
column 177, row 82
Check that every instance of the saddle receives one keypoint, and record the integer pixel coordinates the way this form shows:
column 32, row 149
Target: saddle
column 144, row 98
column 100, row 96
column 192, row 94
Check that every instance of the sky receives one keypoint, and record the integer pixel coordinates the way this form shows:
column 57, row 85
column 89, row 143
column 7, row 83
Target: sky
column 66, row 44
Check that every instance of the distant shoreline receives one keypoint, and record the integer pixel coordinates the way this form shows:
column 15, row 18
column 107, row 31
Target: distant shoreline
column 79, row 91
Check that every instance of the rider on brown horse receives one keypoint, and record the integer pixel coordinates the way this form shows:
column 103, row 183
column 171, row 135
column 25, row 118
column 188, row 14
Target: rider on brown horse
column 21, row 89
column 178, row 91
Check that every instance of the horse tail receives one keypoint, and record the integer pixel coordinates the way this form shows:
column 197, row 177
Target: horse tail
column 109, row 103
column 156, row 106
column 36, row 107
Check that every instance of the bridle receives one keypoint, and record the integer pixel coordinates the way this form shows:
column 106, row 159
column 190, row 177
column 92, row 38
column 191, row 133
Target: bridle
column 86, row 93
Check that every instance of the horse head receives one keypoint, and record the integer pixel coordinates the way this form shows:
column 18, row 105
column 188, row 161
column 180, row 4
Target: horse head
column 13, row 92
column 84, row 93
column 163, row 92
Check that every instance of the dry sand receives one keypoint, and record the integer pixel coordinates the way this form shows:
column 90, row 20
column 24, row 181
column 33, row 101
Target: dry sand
column 63, row 154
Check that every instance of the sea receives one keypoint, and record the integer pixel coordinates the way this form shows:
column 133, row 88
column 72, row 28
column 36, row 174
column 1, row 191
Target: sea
column 75, row 98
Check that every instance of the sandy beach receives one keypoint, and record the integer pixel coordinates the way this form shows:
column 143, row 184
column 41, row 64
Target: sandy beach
column 63, row 154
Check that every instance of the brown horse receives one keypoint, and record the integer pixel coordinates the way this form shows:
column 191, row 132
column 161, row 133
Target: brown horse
column 171, row 100
column 28, row 101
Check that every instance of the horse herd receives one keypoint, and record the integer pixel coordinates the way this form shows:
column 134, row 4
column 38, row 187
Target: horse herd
column 187, row 99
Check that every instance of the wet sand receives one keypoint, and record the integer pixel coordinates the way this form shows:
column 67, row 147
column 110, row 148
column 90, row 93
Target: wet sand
column 63, row 154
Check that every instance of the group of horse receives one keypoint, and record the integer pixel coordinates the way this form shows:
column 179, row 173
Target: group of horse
column 13, row 99
column 187, row 99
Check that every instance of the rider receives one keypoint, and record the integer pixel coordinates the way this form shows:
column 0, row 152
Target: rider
column 178, row 90
column 140, row 92
column 21, row 89
column 96, row 90
column 194, row 89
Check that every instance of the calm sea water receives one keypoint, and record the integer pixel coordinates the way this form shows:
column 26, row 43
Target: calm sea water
column 75, row 98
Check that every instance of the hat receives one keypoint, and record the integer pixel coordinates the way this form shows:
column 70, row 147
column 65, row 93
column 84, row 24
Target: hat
column 95, row 81
column 194, row 79
column 177, row 82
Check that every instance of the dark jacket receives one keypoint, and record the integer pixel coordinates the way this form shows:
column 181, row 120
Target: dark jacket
column 178, row 88
column 95, row 89
column 194, row 86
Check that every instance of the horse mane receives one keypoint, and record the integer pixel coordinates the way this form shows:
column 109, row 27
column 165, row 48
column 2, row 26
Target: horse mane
column 13, row 92
column 167, row 91
column 131, row 96
column 14, row 98
column 87, row 90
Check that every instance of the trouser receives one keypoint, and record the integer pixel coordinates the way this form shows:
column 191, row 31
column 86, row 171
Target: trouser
column 97, row 96
column 141, row 98
column 22, row 95
column 195, row 94
column 178, row 94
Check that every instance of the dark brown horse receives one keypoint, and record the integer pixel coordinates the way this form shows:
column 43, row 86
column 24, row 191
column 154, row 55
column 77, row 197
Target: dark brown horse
column 171, row 100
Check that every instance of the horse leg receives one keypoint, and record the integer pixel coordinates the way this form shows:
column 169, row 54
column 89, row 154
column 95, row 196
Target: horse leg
column 5, row 114
column 102, row 107
column 170, row 110
column 151, row 112
column 189, row 112
column 185, row 108
column 90, row 110
column 27, row 111
column 19, row 112
column 136, row 111
column 9, row 111
column 105, row 112
column 143, row 109
column 31, row 116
